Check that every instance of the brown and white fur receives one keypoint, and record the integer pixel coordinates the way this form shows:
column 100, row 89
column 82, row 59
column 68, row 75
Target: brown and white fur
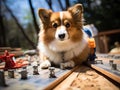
column 61, row 37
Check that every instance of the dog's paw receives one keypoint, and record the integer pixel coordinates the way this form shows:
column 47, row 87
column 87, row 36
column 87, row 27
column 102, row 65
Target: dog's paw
column 69, row 64
column 46, row 64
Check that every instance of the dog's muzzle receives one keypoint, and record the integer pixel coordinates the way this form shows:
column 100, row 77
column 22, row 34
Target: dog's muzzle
column 61, row 34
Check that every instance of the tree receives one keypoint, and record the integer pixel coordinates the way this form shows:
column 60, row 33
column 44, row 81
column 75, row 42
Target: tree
column 2, row 29
column 34, row 18
column 2, row 32
column 49, row 2
column 103, row 13
column 21, row 28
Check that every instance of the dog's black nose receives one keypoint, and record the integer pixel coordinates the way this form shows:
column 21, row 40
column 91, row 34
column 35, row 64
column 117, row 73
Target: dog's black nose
column 61, row 36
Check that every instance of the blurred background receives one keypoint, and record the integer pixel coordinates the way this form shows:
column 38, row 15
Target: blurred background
column 19, row 22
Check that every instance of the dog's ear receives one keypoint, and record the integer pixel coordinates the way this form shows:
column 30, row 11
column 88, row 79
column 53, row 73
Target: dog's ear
column 76, row 10
column 44, row 14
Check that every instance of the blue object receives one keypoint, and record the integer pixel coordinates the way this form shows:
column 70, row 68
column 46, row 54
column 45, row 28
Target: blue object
column 87, row 31
column 91, row 57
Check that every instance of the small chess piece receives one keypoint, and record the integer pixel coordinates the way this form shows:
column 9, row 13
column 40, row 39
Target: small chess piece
column 62, row 66
column 110, row 62
column 114, row 67
column 11, row 73
column 52, row 72
column 35, row 70
column 98, row 62
column 38, row 63
column 23, row 73
column 2, row 78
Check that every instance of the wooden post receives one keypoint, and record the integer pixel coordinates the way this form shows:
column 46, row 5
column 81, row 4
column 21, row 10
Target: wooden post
column 105, row 42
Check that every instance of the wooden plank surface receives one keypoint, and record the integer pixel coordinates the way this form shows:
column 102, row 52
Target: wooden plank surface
column 85, row 78
column 68, row 81
column 59, row 80
column 116, row 31
column 107, row 73
column 16, row 51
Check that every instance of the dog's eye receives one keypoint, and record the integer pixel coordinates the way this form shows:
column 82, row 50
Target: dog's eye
column 67, row 25
column 55, row 25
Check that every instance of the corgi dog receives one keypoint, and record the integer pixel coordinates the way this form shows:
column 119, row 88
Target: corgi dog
column 61, row 37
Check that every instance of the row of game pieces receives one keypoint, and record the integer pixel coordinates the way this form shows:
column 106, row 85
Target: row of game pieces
column 110, row 56
column 112, row 65
column 23, row 73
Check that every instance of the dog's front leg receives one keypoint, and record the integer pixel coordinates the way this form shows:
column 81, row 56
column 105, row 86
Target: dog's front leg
column 68, row 64
column 45, row 62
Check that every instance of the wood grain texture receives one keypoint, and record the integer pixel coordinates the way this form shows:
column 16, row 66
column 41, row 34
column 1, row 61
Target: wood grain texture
column 68, row 81
column 59, row 80
column 109, row 74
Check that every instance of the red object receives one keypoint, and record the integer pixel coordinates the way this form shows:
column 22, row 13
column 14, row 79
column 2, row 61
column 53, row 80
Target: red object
column 9, row 63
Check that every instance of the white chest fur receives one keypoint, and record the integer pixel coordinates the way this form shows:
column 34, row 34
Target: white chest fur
column 57, row 57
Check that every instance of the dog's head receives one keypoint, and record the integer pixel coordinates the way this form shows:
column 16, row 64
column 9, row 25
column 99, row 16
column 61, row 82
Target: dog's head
column 61, row 28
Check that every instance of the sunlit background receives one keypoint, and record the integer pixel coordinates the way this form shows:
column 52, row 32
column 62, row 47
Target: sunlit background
column 19, row 22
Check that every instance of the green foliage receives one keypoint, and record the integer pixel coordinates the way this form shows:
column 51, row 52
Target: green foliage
column 105, row 16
